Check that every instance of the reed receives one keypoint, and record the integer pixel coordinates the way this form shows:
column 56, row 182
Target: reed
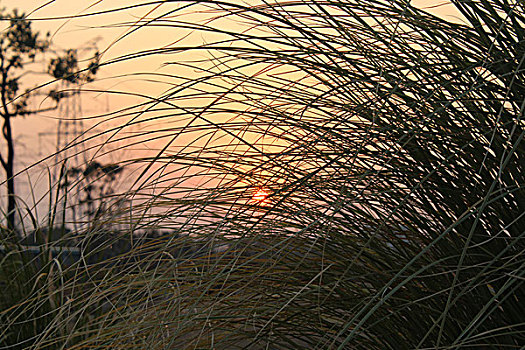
column 390, row 143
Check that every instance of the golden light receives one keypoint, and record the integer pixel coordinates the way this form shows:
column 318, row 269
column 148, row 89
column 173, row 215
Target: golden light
column 260, row 195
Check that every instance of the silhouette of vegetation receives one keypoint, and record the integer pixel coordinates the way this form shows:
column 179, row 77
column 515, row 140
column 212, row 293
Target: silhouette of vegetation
column 97, row 188
column 19, row 46
column 389, row 143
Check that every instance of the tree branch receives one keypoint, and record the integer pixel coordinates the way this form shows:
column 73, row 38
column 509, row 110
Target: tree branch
column 2, row 161
column 38, row 110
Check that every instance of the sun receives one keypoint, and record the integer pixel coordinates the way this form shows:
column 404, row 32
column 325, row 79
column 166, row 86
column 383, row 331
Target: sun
column 260, row 195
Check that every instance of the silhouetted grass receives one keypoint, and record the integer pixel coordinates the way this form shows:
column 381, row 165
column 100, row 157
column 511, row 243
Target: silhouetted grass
column 390, row 143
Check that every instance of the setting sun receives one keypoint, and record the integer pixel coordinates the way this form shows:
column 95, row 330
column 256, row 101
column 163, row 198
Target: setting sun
column 260, row 195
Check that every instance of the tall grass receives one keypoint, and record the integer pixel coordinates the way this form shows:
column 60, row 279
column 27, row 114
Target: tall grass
column 390, row 143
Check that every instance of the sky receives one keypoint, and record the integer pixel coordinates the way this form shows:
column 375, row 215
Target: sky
column 81, row 33
column 102, row 29
column 37, row 137
column 54, row 17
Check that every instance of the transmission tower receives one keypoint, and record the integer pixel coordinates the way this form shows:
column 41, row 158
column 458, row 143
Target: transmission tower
column 70, row 146
column 70, row 127
column 70, row 152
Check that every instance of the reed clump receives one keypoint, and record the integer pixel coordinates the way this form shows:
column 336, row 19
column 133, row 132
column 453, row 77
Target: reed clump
column 390, row 145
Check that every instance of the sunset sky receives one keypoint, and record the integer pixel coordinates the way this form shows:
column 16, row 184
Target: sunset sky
column 107, row 31
column 103, row 30
column 112, row 34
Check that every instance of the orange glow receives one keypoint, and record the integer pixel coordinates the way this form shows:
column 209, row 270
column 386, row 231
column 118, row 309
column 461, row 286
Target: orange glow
column 260, row 195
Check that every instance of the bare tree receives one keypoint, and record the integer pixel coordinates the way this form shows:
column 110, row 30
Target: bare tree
column 19, row 46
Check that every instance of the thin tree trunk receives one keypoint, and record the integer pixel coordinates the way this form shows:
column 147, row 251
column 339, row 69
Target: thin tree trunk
column 9, row 171
column 7, row 132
